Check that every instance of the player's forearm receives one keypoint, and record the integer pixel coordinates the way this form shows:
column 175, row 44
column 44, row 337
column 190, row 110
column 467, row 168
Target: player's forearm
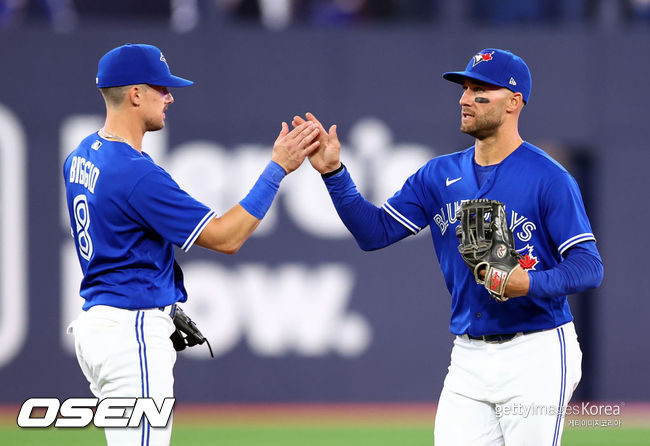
column 371, row 227
column 261, row 196
column 229, row 232
column 581, row 270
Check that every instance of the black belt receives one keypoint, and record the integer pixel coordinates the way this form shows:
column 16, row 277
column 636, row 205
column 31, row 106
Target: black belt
column 499, row 338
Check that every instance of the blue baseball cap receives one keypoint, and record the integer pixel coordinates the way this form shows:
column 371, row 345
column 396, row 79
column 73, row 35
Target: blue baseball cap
column 133, row 64
column 496, row 67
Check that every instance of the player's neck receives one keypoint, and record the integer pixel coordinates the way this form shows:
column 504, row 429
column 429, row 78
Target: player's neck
column 120, row 127
column 496, row 148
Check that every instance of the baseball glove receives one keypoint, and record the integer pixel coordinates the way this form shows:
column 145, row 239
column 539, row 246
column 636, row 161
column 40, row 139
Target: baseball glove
column 487, row 244
column 187, row 334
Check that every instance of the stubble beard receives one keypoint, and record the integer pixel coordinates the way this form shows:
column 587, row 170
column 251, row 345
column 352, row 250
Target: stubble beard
column 483, row 127
column 154, row 125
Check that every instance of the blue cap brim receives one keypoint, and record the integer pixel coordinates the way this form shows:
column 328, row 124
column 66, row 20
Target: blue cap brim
column 170, row 81
column 173, row 81
column 459, row 77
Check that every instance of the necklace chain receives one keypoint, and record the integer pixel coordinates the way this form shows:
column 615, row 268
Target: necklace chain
column 110, row 135
column 104, row 134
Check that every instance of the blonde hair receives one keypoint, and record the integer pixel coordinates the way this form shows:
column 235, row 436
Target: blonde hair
column 114, row 96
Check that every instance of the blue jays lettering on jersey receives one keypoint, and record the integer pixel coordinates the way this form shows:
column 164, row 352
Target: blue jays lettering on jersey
column 126, row 214
column 545, row 212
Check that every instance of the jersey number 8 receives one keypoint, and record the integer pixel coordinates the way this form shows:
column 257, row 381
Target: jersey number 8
column 82, row 220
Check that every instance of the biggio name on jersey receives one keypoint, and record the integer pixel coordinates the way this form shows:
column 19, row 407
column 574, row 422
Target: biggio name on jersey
column 84, row 172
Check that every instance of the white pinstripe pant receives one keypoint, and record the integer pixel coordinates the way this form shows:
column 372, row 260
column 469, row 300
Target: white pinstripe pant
column 513, row 393
column 127, row 353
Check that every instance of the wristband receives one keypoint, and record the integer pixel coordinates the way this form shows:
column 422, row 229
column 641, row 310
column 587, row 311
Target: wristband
column 334, row 172
column 259, row 199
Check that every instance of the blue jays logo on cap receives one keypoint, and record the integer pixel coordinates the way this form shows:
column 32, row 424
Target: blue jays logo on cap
column 482, row 57
column 133, row 64
column 502, row 68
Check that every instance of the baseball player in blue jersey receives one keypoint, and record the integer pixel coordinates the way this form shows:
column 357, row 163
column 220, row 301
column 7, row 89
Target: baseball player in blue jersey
column 126, row 216
column 515, row 361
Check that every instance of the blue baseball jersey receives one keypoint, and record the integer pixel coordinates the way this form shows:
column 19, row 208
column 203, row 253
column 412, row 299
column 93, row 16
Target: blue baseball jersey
column 126, row 215
column 545, row 212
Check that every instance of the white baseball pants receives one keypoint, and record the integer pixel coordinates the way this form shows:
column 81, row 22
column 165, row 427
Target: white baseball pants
column 513, row 393
column 127, row 353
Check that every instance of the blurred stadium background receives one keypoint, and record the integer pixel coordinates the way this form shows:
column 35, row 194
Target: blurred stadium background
column 309, row 332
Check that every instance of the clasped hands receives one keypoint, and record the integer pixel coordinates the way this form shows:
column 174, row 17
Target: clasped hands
column 307, row 139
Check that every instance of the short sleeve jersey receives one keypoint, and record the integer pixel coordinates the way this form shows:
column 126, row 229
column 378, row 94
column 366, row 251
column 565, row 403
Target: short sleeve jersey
column 545, row 212
column 126, row 215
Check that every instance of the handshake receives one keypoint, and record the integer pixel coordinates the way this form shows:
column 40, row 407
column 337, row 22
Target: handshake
column 308, row 139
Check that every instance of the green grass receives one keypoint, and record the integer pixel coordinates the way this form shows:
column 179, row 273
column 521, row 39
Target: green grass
column 251, row 435
column 606, row 436
column 306, row 436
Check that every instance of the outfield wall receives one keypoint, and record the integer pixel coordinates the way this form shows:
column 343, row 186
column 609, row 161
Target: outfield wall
column 300, row 313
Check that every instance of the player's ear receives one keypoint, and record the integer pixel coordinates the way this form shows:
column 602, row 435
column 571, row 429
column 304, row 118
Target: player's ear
column 515, row 102
column 135, row 95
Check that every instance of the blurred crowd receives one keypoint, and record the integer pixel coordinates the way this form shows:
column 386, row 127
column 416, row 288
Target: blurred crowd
column 185, row 15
